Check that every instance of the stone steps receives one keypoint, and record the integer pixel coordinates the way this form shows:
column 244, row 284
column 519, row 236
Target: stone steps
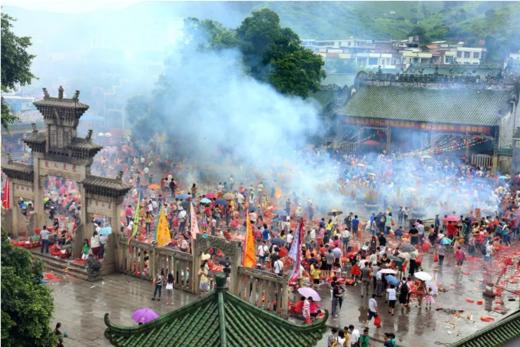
column 62, row 266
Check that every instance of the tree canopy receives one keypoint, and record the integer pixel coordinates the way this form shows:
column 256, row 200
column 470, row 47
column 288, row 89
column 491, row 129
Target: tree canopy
column 16, row 64
column 271, row 53
column 27, row 305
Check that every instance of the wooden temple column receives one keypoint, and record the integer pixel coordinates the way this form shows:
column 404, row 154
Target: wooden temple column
column 41, row 218
column 13, row 220
column 388, row 132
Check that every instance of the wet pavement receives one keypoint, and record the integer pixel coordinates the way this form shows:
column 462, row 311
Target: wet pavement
column 419, row 327
column 80, row 306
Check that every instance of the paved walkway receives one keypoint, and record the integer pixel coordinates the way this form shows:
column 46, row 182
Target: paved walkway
column 81, row 305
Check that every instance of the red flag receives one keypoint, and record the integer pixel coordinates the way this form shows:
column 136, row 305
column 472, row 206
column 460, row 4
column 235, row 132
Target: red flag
column 297, row 245
column 5, row 194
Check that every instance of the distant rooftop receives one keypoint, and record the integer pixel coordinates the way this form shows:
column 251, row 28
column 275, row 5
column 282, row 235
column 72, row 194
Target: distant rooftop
column 459, row 106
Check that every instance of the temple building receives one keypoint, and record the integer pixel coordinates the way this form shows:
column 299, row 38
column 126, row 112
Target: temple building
column 431, row 114
column 219, row 319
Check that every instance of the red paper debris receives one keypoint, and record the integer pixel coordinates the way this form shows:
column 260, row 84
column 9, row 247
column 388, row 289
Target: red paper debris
column 479, row 302
column 487, row 319
column 470, row 300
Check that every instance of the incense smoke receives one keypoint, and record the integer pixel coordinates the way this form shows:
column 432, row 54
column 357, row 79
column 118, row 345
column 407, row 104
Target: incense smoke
column 226, row 123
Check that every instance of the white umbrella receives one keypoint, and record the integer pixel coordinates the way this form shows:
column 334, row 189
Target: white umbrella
column 423, row 276
column 388, row 271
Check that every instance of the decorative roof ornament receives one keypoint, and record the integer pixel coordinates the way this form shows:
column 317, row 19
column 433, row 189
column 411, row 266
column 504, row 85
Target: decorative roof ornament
column 60, row 92
column 9, row 158
column 89, row 135
column 34, row 128
column 45, row 93
column 120, row 176
column 76, row 96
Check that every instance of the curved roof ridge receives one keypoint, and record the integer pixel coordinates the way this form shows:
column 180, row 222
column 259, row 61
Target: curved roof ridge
column 275, row 318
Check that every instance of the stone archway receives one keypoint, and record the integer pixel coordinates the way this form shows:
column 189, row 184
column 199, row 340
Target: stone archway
column 58, row 151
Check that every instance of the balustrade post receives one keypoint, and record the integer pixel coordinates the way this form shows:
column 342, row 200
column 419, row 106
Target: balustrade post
column 153, row 260
column 285, row 300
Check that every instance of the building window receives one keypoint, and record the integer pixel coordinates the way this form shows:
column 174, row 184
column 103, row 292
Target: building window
column 372, row 61
column 459, row 54
column 476, row 55
column 466, row 54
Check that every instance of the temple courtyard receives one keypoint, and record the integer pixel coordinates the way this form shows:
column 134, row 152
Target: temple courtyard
column 81, row 306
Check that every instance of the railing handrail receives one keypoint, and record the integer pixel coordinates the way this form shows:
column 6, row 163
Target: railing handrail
column 262, row 274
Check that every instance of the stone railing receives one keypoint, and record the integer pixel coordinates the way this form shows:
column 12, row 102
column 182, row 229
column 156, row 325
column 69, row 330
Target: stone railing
column 143, row 260
column 263, row 289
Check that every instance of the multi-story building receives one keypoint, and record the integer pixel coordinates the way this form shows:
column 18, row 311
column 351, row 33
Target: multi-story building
column 469, row 55
column 364, row 53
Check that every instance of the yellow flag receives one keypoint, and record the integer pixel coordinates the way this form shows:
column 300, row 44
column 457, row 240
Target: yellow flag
column 249, row 255
column 163, row 231
column 277, row 193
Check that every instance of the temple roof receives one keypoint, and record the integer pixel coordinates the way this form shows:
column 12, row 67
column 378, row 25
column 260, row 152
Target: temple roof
column 219, row 319
column 57, row 102
column 496, row 334
column 35, row 137
column 82, row 143
column 18, row 170
column 460, row 106
column 105, row 186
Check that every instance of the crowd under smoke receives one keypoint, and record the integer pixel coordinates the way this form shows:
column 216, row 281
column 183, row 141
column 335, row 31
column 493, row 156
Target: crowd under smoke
column 224, row 123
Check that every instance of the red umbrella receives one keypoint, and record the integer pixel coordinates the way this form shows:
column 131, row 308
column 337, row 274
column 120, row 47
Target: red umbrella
column 451, row 218
column 371, row 143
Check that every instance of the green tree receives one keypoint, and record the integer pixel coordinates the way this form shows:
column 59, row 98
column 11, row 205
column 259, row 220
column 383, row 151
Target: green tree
column 297, row 73
column 27, row 305
column 218, row 36
column 275, row 55
column 16, row 64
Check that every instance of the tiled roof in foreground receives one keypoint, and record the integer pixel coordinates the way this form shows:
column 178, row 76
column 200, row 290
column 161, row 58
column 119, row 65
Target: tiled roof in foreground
column 460, row 106
column 220, row 319
column 494, row 335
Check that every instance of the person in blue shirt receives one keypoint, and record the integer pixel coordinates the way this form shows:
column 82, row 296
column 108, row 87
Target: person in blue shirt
column 355, row 224
column 266, row 235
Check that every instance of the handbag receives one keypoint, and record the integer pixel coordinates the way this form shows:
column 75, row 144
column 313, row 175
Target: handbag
column 377, row 321
column 169, row 286
column 435, row 258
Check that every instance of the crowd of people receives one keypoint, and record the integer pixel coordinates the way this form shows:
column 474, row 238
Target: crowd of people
column 379, row 246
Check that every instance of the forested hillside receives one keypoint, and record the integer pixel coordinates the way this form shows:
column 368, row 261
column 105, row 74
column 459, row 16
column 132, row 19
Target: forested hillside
column 494, row 23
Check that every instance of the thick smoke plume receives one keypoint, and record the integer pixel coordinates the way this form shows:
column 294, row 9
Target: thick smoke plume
column 226, row 123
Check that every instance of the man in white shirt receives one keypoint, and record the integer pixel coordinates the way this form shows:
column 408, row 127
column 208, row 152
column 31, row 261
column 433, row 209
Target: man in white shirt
column 354, row 335
column 278, row 267
column 262, row 251
column 392, row 298
column 345, row 238
column 44, row 235
column 313, row 234
column 372, row 307
column 290, row 237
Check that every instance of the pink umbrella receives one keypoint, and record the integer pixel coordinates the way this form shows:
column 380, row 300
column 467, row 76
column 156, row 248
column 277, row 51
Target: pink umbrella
column 144, row 315
column 306, row 292
column 211, row 195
